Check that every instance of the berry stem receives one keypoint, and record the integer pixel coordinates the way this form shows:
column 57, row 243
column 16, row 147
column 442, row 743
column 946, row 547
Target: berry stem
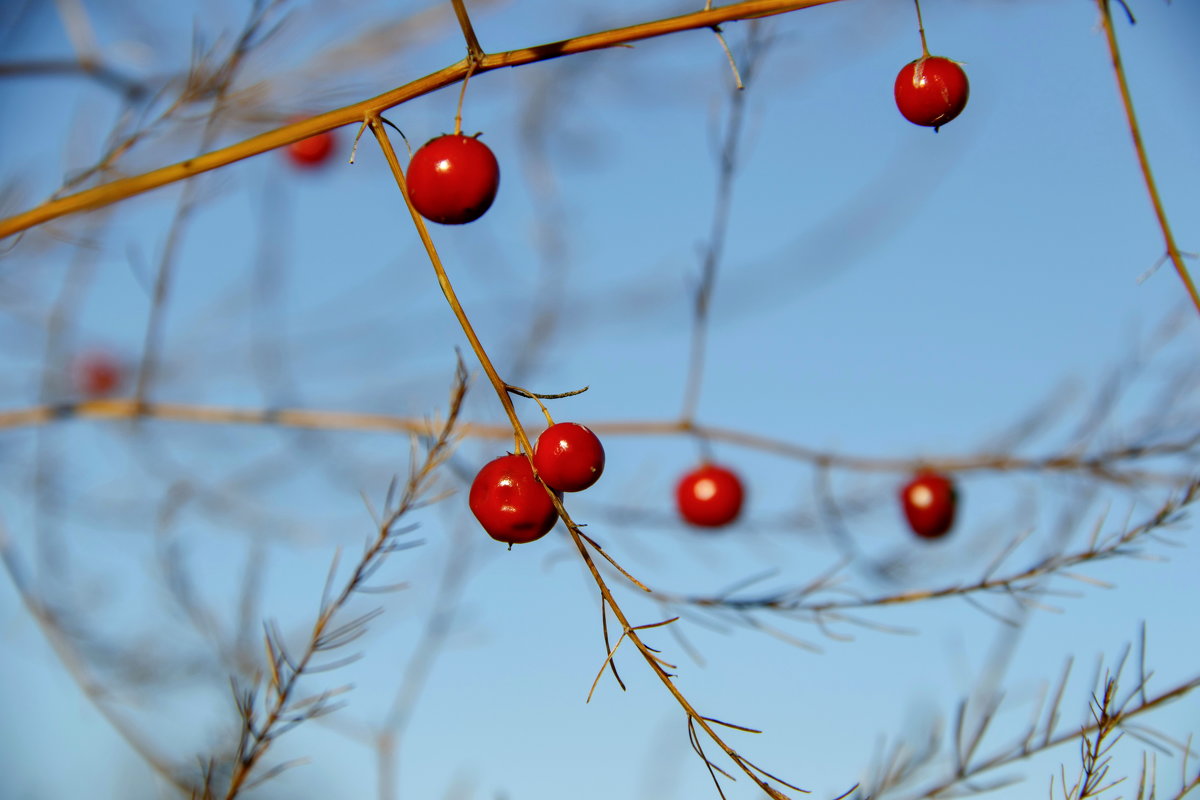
column 1173, row 251
column 921, row 30
column 545, row 411
column 538, row 398
column 462, row 94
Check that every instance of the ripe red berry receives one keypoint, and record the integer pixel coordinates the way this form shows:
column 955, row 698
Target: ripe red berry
column 929, row 502
column 931, row 91
column 453, row 179
column 97, row 374
column 313, row 151
column 709, row 496
column 568, row 457
column 509, row 502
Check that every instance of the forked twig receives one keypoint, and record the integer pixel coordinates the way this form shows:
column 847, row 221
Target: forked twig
column 284, row 711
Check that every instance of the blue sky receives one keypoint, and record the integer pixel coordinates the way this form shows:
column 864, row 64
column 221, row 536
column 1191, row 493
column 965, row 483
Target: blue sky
column 886, row 292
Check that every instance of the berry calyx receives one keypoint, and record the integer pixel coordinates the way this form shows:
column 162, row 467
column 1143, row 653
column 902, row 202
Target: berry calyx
column 710, row 496
column 510, row 503
column 930, row 501
column 453, row 179
column 313, row 151
column 97, row 374
column 931, row 91
column 568, row 457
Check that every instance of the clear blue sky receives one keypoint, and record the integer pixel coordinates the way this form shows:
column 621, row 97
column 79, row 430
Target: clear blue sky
column 885, row 292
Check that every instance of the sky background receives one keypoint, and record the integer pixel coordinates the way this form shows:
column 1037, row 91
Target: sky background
column 885, row 292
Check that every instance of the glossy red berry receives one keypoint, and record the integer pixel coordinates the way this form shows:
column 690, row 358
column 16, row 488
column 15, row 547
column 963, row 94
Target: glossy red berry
column 313, row 151
column 930, row 501
column 931, row 91
column 509, row 502
column 453, row 179
column 568, row 457
column 710, row 496
column 97, row 374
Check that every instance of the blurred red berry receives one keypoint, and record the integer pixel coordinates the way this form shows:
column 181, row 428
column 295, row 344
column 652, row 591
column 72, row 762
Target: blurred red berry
column 710, row 496
column 930, row 502
column 313, row 151
column 97, row 374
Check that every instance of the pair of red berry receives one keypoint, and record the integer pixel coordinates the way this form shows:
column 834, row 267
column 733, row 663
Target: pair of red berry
column 510, row 503
column 712, row 496
column 452, row 179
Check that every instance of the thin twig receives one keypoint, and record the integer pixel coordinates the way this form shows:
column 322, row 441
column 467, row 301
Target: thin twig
column 1160, row 213
column 283, row 712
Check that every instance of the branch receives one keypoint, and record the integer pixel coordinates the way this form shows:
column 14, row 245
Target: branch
column 114, row 191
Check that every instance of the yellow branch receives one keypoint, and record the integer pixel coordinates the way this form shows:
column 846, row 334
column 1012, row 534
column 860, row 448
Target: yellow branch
column 109, row 193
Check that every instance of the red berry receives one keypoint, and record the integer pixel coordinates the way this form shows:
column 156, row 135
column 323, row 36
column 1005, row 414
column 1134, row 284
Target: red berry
column 929, row 501
column 509, row 502
column 313, row 151
column 453, row 179
column 931, row 91
column 568, row 457
column 709, row 496
column 97, row 374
